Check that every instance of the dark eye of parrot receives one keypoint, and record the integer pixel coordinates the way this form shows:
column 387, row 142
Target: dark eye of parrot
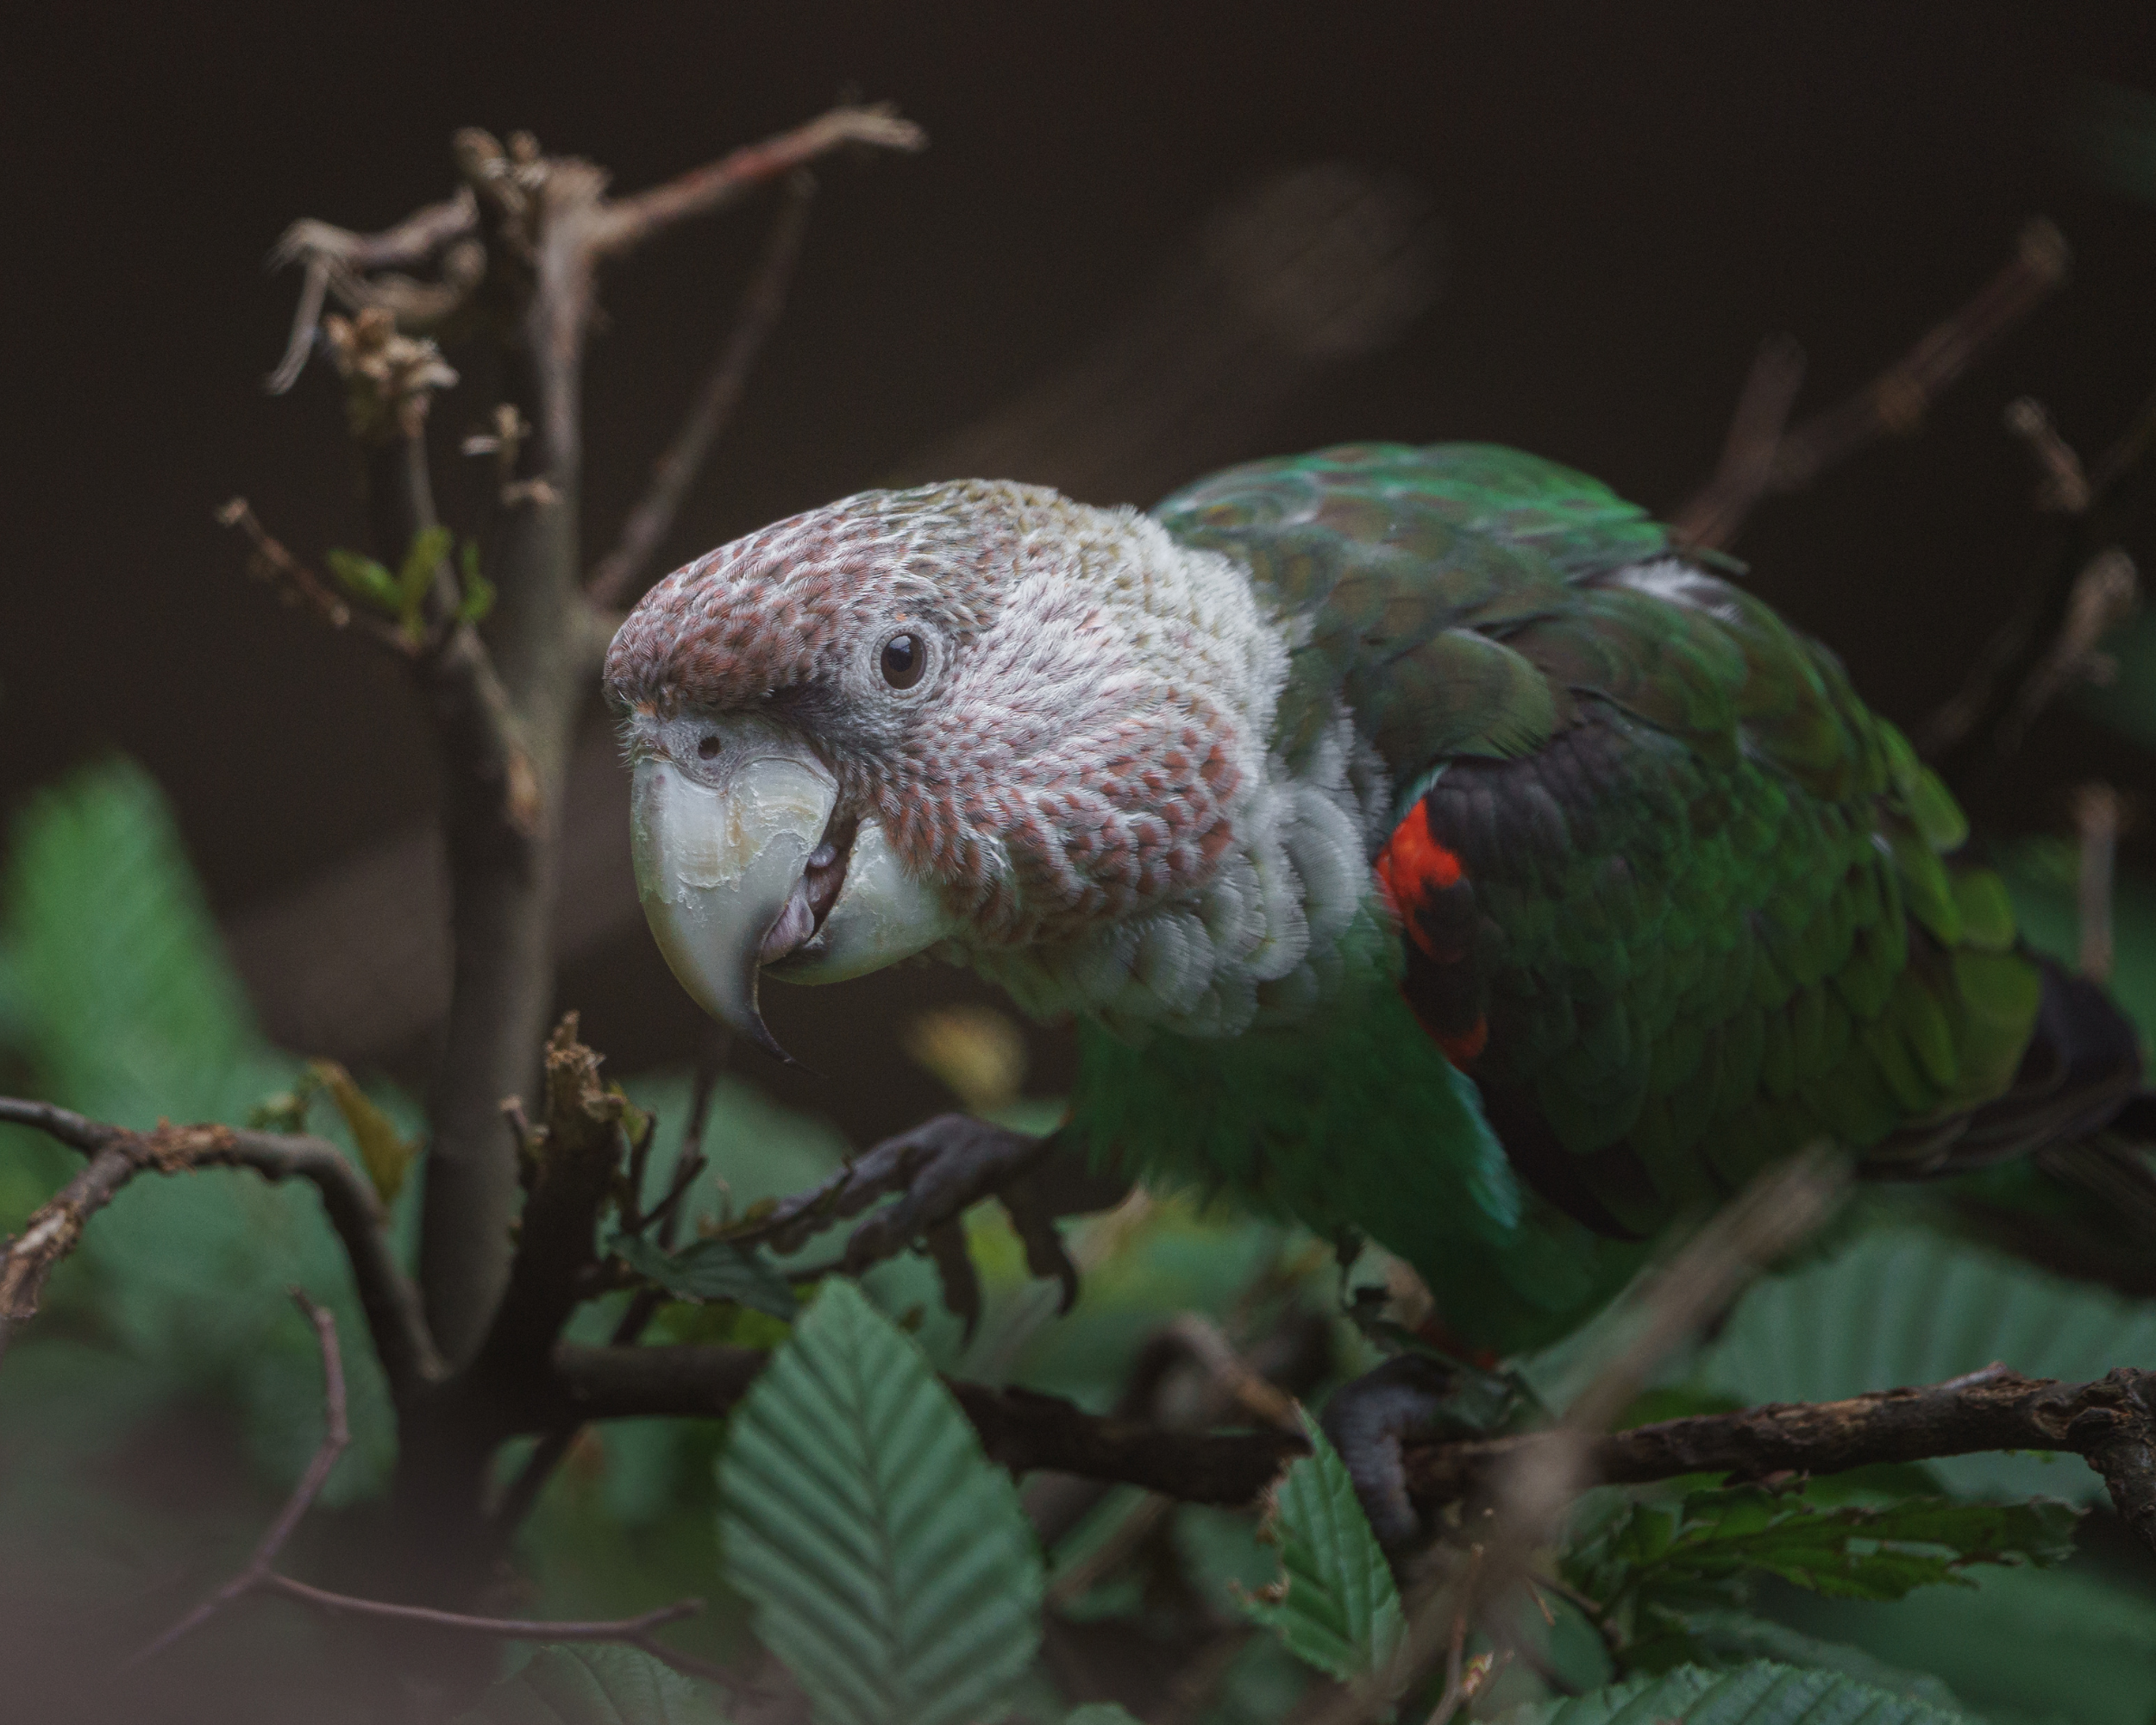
column 708, row 745
column 905, row 657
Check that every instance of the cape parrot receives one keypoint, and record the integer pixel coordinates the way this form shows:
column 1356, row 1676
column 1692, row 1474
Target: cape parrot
column 1425, row 845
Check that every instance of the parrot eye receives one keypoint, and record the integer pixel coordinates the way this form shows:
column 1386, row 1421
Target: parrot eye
column 708, row 745
column 905, row 658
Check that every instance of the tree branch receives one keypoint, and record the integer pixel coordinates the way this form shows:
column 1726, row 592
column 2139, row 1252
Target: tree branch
column 260, row 1575
column 391, row 1303
column 2110, row 1424
column 761, row 306
column 628, row 222
column 1893, row 403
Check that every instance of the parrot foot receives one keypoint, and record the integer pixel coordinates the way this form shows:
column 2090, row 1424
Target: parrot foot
column 1368, row 1421
column 939, row 1170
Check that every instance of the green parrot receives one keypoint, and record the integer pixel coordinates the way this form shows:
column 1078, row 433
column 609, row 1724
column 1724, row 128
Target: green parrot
column 1425, row 845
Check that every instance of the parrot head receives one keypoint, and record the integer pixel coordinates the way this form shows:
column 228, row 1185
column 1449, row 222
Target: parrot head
column 975, row 717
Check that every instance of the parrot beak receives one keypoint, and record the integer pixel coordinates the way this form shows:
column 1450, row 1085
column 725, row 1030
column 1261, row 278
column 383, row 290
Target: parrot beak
column 744, row 869
column 716, row 865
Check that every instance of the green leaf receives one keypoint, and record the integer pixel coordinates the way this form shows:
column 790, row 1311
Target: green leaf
column 1099, row 1713
column 478, row 591
column 710, row 1270
column 1335, row 1605
column 1907, row 1305
column 890, row 1565
column 386, row 1152
column 1728, row 1638
column 429, row 545
column 593, row 1685
column 1760, row 1694
column 366, row 579
column 1712, row 1540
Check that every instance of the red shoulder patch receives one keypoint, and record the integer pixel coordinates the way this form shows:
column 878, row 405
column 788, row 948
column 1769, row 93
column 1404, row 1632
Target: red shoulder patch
column 1422, row 879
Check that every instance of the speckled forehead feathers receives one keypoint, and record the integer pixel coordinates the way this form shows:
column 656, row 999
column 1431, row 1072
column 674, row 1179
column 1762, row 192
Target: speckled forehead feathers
column 778, row 608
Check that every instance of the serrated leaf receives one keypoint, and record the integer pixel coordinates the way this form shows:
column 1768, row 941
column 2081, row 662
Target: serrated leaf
column 889, row 1564
column 1907, row 1305
column 711, row 1269
column 1338, row 1608
column 366, row 579
column 1714, row 1539
column 1758, row 1693
column 593, row 1685
column 1728, row 1638
column 386, row 1152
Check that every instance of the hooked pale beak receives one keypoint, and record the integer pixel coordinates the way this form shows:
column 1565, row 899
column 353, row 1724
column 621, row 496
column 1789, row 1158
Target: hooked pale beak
column 742, row 867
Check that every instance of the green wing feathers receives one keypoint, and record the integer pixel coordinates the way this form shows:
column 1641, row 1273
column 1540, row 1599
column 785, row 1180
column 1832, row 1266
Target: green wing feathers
column 1720, row 908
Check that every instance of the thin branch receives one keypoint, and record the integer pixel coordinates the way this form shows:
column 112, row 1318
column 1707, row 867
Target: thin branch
column 2097, row 814
column 272, row 562
column 1712, row 516
column 716, row 399
column 2016, row 672
column 2110, row 1423
column 116, row 1156
column 1893, row 403
column 634, row 1632
column 336, row 1435
column 626, row 221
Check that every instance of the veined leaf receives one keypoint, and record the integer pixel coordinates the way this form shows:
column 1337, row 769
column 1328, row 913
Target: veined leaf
column 386, row 1151
column 1729, row 1638
column 890, row 1565
column 1335, row 1605
column 593, row 1685
column 711, row 1269
column 1907, row 1305
column 1711, row 1539
column 1760, row 1694
column 366, row 579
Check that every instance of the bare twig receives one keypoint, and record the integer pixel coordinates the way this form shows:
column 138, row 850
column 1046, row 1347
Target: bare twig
column 1712, row 516
column 272, row 562
column 2097, row 809
column 715, row 398
column 627, row 221
column 336, row 1435
column 260, row 1574
column 1893, row 403
column 2078, row 586
column 2062, row 484
column 116, row 1156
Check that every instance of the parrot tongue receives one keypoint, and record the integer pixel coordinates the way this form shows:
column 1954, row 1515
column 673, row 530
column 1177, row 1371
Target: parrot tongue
column 812, row 896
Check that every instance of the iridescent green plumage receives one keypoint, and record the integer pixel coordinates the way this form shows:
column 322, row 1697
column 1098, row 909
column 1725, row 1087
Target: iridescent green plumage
column 1718, row 908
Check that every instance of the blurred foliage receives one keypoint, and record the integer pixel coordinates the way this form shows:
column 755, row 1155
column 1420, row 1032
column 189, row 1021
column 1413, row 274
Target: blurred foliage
column 1696, row 1602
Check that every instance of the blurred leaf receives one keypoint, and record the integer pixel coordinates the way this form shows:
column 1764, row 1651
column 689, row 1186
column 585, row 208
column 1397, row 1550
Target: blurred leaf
column 976, row 1051
column 1907, row 1305
column 1724, row 1638
column 133, row 1015
column 710, row 1270
column 387, row 1153
column 891, row 1568
column 1335, row 1605
column 478, row 597
column 415, row 574
column 1099, row 1713
column 2025, row 1644
column 593, row 1685
column 1760, row 1694
column 366, row 579
column 2040, row 877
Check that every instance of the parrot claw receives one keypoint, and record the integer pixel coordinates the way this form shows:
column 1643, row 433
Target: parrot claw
column 1368, row 1420
column 939, row 1170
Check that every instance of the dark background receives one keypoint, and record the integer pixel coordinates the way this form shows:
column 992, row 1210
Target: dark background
column 1629, row 198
